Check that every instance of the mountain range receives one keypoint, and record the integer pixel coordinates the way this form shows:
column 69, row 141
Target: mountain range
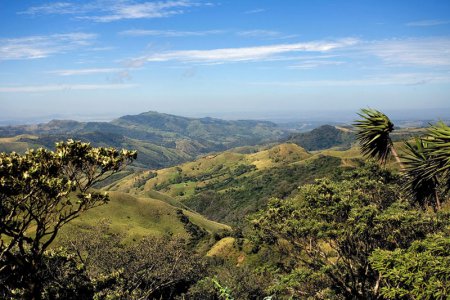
column 161, row 139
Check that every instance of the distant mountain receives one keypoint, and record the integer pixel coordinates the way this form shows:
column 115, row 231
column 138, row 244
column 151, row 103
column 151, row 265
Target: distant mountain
column 161, row 139
column 323, row 137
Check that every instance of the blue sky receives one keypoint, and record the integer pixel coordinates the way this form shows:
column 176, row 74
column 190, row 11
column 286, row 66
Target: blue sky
column 102, row 59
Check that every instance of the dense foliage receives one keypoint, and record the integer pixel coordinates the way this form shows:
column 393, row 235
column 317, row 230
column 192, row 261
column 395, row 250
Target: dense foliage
column 41, row 191
column 333, row 226
column 231, row 199
column 421, row 271
column 152, row 267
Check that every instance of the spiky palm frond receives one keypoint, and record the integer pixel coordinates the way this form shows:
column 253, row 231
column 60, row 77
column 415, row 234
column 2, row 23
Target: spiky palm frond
column 438, row 137
column 422, row 182
column 373, row 134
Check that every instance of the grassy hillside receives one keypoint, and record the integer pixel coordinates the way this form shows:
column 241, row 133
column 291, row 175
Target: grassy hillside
column 17, row 143
column 136, row 217
column 206, row 169
column 229, row 185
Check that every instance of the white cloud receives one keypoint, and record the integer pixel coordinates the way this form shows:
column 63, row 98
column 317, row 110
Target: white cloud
column 33, row 47
column 243, row 54
column 114, row 10
column 256, row 33
column 84, row 71
column 312, row 64
column 63, row 87
column 414, row 51
column 428, row 53
column 52, row 8
column 402, row 79
column 146, row 10
column 427, row 23
column 168, row 33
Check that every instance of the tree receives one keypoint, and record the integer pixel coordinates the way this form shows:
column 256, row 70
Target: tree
column 421, row 271
column 426, row 163
column 422, row 180
column 333, row 226
column 225, row 280
column 373, row 135
column 150, row 268
column 41, row 191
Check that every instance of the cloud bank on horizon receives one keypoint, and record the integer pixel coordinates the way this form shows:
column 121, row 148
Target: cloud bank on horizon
column 210, row 56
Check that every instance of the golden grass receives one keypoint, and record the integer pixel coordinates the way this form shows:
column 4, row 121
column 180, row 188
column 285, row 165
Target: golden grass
column 137, row 217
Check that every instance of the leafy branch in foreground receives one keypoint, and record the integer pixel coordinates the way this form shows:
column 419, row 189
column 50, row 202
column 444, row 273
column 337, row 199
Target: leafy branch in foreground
column 421, row 272
column 41, row 191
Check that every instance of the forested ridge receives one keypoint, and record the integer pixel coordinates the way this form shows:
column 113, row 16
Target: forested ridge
column 161, row 139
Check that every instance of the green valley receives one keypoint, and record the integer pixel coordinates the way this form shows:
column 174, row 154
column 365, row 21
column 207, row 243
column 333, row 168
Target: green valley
column 228, row 186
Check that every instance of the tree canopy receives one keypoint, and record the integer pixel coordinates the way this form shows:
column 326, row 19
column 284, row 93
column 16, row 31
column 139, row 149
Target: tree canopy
column 41, row 191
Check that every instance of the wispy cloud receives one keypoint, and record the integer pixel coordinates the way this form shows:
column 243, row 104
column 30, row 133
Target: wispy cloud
column 255, row 11
column 265, row 34
column 33, row 47
column 417, row 51
column 259, row 33
column 312, row 64
column 84, row 71
column 427, row 23
column 110, row 10
column 168, row 33
column 63, row 87
column 59, row 8
column 243, row 54
column 402, row 79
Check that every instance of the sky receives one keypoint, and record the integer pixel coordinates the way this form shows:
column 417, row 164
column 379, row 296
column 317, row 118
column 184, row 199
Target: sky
column 100, row 59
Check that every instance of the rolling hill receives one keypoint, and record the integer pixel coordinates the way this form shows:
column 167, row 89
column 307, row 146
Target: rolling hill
column 180, row 162
column 229, row 185
column 161, row 139
column 135, row 217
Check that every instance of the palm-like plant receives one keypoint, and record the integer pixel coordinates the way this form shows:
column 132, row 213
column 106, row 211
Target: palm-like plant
column 438, row 136
column 374, row 128
column 422, row 181
column 427, row 160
